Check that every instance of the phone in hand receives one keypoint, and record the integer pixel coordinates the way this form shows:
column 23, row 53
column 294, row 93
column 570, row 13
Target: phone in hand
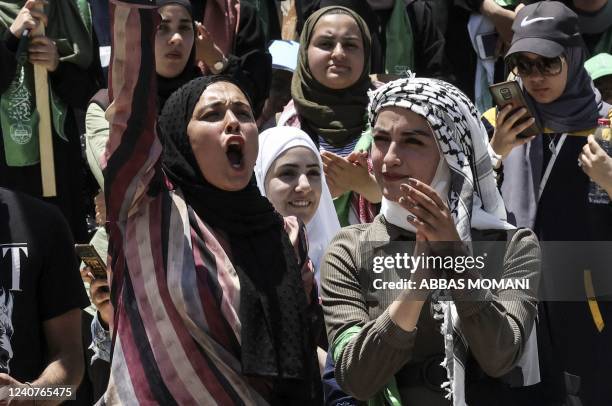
column 90, row 257
column 510, row 92
column 486, row 45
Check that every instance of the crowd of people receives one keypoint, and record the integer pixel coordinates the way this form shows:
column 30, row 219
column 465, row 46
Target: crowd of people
column 238, row 165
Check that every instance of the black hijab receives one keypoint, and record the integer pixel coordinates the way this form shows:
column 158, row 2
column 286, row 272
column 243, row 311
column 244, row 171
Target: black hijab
column 275, row 337
column 166, row 86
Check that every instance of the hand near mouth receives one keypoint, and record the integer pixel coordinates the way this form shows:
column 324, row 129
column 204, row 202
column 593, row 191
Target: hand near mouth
column 430, row 215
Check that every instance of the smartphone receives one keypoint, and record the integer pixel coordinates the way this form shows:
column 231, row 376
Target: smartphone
column 486, row 45
column 510, row 92
column 90, row 257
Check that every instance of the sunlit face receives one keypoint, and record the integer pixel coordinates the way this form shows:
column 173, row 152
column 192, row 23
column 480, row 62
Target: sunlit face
column 544, row 88
column 335, row 53
column 173, row 40
column 293, row 183
column 404, row 147
column 223, row 136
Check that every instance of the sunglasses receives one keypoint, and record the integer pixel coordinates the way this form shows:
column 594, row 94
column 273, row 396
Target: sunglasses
column 545, row 66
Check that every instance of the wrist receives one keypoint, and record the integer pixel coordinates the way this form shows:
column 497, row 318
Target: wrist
column 488, row 8
column 219, row 65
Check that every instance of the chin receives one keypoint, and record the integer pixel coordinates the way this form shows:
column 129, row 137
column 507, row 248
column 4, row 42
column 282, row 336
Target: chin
column 392, row 195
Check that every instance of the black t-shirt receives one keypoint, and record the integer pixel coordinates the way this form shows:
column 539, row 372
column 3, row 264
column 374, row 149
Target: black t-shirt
column 39, row 280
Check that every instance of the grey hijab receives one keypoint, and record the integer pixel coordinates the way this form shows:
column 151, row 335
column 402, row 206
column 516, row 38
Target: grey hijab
column 579, row 106
column 577, row 109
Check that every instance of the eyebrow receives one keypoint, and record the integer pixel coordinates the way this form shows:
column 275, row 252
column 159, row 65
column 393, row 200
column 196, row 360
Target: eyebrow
column 330, row 36
column 222, row 102
column 407, row 133
column 297, row 166
column 182, row 20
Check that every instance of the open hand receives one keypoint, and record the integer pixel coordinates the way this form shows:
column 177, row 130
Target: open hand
column 349, row 174
column 430, row 215
column 597, row 164
column 206, row 49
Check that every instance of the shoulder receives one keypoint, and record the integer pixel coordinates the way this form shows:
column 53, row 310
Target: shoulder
column 17, row 203
column 30, row 218
column 248, row 15
column 523, row 246
column 349, row 239
column 289, row 116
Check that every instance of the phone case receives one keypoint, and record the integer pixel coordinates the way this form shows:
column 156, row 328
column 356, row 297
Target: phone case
column 510, row 93
column 90, row 257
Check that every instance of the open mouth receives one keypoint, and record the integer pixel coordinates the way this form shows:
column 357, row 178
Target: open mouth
column 235, row 155
column 300, row 203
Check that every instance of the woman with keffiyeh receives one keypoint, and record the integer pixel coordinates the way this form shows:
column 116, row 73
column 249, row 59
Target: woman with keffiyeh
column 430, row 158
column 212, row 289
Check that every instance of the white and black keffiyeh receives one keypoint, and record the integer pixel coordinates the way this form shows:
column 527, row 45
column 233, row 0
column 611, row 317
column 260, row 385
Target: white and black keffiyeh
column 473, row 197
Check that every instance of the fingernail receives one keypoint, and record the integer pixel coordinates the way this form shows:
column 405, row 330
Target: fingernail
column 413, row 181
column 411, row 218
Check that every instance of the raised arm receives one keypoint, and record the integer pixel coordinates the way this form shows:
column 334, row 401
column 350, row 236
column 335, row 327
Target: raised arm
column 133, row 150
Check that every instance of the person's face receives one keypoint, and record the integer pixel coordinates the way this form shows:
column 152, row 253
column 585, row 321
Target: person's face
column 293, row 183
column 404, row 147
column 335, row 53
column 544, row 88
column 173, row 40
column 223, row 136
column 604, row 85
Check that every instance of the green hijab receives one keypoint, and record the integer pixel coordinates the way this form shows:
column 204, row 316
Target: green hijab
column 70, row 27
column 336, row 115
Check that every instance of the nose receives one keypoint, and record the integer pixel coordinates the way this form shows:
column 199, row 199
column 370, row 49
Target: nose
column 232, row 124
column 338, row 51
column 303, row 184
column 535, row 75
column 391, row 157
column 175, row 39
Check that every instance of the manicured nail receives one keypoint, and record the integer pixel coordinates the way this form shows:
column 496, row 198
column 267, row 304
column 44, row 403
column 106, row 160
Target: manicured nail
column 413, row 181
column 411, row 218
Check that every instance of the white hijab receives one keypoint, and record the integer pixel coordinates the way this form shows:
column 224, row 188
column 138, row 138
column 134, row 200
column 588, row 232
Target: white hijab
column 324, row 225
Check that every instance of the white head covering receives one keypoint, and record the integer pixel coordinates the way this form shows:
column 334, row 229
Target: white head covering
column 324, row 225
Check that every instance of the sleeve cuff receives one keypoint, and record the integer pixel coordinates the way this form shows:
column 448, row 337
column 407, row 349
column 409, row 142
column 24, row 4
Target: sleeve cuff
column 10, row 41
column 471, row 301
column 392, row 334
column 101, row 340
column 496, row 159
